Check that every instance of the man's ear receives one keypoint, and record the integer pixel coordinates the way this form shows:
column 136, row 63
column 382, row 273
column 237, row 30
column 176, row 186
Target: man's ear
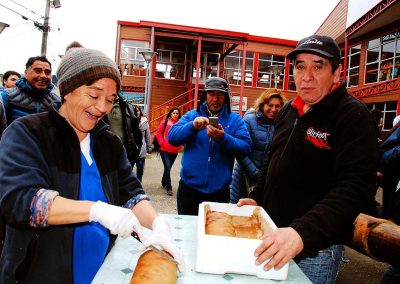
column 336, row 74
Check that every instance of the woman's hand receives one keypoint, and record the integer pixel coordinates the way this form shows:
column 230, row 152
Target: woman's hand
column 120, row 221
column 162, row 237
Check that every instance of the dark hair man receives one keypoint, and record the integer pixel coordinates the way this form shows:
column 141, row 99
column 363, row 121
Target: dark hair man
column 33, row 92
column 322, row 166
column 207, row 160
column 9, row 79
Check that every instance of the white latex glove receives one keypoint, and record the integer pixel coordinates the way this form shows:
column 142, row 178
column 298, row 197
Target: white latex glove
column 120, row 221
column 161, row 236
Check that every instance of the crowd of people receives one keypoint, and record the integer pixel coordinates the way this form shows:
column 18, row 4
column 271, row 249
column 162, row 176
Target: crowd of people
column 67, row 154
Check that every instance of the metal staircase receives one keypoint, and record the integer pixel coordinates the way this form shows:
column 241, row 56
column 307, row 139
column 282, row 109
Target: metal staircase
column 158, row 113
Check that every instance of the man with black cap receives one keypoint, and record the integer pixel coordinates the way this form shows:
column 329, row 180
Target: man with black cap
column 210, row 148
column 322, row 166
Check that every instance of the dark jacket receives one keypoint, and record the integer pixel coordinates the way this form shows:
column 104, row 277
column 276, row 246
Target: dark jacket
column 3, row 121
column 389, row 166
column 43, row 151
column 24, row 100
column 261, row 130
column 322, row 170
column 132, row 137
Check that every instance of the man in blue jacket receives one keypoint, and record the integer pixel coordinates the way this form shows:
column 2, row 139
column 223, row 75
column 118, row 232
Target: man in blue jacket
column 209, row 149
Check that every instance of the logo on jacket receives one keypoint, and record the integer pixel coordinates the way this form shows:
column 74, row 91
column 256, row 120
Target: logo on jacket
column 318, row 138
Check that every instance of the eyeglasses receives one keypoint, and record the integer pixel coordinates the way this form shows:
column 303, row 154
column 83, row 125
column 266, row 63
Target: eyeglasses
column 177, row 113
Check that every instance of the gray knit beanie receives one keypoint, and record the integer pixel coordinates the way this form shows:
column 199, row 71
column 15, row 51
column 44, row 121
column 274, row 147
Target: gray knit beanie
column 82, row 66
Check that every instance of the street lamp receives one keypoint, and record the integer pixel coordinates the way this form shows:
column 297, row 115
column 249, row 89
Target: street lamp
column 3, row 26
column 276, row 70
column 148, row 57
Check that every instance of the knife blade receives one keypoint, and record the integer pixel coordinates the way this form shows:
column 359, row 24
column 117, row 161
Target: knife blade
column 155, row 249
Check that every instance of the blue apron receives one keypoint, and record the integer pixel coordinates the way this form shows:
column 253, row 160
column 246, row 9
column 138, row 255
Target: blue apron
column 91, row 239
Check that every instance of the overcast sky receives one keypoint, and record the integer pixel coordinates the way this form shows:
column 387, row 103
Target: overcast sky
column 94, row 23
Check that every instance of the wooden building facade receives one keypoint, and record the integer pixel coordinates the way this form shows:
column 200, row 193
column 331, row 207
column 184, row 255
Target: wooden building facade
column 187, row 56
column 370, row 52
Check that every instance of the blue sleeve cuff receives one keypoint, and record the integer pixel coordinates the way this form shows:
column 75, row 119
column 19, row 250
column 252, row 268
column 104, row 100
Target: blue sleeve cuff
column 136, row 199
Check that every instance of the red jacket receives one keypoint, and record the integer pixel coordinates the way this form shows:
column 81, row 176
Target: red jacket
column 163, row 140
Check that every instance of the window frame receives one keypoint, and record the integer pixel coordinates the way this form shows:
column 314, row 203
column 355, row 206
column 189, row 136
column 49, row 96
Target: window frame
column 270, row 75
column 135, row 65
column 236, row 70
column 386, row 68
column 170, row 62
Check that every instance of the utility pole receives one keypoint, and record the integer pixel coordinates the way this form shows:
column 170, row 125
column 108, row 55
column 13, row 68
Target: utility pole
column 46, row 29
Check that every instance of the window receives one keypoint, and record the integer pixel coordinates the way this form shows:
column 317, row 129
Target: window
column 131, row 62
column 266, row 76
column 170, row 64
column 292, row 85
column 353, row 68
column 209, row 66
column 233, row 67
column 389, row 111
column 383, row 58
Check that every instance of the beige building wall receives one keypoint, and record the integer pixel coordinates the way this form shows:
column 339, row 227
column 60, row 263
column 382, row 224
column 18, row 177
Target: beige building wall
column 335, row 24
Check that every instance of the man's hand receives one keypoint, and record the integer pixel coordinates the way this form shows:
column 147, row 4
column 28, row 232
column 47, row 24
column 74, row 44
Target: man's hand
column 246, row 201
column 281, row 246
column 200, row 122
column 215, row 133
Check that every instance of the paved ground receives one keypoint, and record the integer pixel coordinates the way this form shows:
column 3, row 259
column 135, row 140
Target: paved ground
column 360, row 269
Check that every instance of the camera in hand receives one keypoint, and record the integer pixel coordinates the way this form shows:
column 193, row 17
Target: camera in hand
column 213, row 120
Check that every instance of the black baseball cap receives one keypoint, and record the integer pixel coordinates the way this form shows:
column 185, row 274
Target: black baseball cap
column 323, row 46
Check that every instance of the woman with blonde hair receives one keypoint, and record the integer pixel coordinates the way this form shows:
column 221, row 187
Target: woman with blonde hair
column 260, row 124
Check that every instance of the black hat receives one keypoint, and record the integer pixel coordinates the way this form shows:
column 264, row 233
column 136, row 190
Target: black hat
column 323, row 46
column 216, row 84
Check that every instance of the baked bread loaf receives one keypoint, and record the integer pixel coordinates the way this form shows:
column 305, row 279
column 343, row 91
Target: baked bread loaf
column 223, row 224
column 219, row 223
column 152, row 268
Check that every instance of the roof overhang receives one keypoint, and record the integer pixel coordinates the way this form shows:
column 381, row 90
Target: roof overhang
column 382, row 14
column 190, row 31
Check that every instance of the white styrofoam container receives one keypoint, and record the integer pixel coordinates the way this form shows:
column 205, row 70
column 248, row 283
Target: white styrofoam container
column 221, row 254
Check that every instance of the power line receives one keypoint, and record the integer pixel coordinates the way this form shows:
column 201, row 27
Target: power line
column 33, row 12
column 23, row 17
column 40, row 26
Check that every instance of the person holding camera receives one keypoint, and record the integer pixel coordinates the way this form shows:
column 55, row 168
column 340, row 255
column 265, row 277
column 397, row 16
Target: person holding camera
column 212, row 137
